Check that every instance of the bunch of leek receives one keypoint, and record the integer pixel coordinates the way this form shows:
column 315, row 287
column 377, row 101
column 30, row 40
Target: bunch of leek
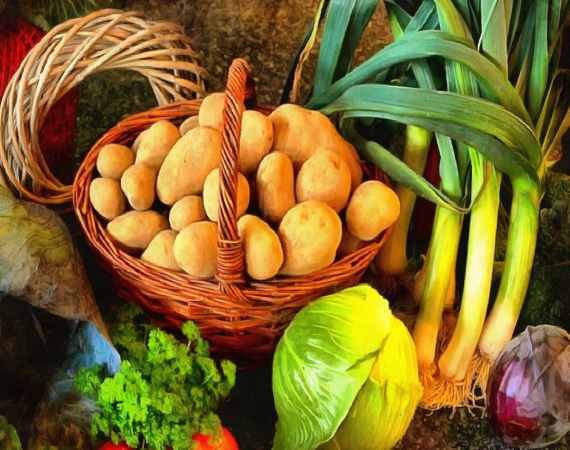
column 515, row 129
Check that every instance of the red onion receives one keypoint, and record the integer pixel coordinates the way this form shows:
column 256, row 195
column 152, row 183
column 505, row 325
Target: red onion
column 529, row 388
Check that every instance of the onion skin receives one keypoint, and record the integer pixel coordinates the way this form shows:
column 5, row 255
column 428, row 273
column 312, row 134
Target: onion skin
column 529, row 388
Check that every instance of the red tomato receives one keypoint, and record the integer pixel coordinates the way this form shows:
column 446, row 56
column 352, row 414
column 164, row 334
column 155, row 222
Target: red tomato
column 228, row 441
column 110, row 446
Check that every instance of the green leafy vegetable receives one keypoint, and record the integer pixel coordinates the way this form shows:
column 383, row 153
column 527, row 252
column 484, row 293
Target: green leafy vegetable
column 165, row 391
column 9, row 439
column 333, row 365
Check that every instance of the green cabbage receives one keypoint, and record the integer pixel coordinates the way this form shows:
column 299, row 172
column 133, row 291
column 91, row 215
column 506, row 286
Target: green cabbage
column 344, row 364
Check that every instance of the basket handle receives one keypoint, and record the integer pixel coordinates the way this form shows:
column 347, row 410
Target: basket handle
column 231, row 266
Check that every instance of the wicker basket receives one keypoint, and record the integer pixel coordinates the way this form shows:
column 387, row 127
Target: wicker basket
column 240, row 317
column 104, row 40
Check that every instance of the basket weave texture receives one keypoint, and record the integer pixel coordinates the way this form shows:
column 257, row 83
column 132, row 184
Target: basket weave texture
column 241, row 318
column 72, row 51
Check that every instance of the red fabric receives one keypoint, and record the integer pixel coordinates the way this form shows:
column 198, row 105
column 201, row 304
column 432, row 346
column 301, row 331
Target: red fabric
column 424, row 211
column 57, row 137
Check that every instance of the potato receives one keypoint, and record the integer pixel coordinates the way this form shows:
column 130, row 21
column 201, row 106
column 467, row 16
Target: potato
column 185, row 211
column 113, row 160
column 263, row 251
column 156, row 143
column 350, row 155
column 135, row 229
column 349, row 243
column 324, row 177
column 211, row 193
column 188, row 124
column 256, row 140
column 300, row 132
column 137, row 184
column 310, row 234
column 188, row 164
column 106, row 197
column 160, row 251
column 137, row 142
column 275, row 186
column 211, row 112
column 372, row 208
column 196, row 249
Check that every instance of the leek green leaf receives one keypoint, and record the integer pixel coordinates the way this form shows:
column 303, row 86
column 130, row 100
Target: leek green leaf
column 488, row 127
column 493, row 38
column 423, row 44
column 513, row 24
column 334, row 34
column 322, row 361
column 522, row 43
column 361, row 15
column 538, row 80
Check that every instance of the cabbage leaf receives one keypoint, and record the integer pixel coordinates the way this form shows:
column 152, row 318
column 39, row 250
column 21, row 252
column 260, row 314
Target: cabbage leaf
column 322, row 361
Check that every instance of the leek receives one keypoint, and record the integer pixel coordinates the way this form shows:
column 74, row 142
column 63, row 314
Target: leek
column 458, row 356
column 393, row 258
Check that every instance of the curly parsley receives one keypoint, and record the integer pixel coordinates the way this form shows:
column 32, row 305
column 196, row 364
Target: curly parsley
column 165, row 391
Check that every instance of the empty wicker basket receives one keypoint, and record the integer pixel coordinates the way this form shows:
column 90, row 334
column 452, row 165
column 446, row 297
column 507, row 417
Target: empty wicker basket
column 72, row 51
column 240, row 317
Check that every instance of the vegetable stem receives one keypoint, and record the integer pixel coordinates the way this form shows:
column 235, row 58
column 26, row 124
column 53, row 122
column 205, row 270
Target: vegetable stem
column 393, row 258
column 521, row 245
column 455, row 360
column 442, row 255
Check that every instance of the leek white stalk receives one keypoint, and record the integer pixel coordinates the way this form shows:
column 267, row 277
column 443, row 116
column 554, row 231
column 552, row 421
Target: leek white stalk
column 440, row 267
column 457, row 357
column 521, row 245
column 393, row 258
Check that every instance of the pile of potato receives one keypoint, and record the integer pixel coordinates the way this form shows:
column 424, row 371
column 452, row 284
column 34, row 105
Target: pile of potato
column 298, row 178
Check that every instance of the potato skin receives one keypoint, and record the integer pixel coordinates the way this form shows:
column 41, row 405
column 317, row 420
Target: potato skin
column 160, row 251
column 196, row 249
column 106, row 197
column 211, row 112
column 262, row 247
column 156, row 143
column 211, row 193
column 137, row 142
column 188, row 163
column 137, row 184
column 135, row 229
column 275, row 186
column 113, row 160
column 185, row 211
column 325, row 176
column 255, row 141
column 300, row 132
column 189, row 124
column 310, row 234
column 372, row 208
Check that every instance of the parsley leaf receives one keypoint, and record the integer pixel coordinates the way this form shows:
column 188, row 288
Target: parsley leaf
column 165, row 391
